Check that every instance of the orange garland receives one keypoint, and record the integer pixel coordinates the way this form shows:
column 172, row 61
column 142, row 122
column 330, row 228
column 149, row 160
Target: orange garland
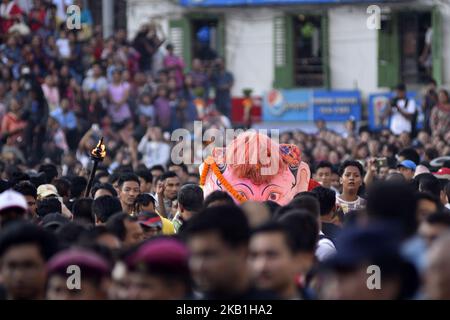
column 204, row 174
column 211, row 163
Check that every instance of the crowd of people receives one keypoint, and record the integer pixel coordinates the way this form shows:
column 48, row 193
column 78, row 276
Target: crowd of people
column 151, row 234
column 145, row 230
column 59, row 87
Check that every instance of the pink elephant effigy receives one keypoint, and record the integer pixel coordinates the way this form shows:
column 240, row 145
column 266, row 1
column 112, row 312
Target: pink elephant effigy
column 255, row 167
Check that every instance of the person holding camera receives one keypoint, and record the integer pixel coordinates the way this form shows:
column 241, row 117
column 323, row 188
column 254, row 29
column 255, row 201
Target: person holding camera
column 401, row 112
column 373, row 170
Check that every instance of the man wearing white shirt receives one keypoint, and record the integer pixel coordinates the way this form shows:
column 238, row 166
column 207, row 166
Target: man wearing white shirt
column 63, row 45
column 401, row 112
column 325, row 247
column 153, row 149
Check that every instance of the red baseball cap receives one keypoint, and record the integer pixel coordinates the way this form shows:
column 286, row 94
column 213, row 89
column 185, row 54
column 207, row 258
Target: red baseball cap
column 443, row 173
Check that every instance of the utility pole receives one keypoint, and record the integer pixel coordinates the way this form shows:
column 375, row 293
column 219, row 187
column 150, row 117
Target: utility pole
column 108, row 18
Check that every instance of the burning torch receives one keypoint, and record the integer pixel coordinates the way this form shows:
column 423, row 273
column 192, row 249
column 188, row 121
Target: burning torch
column 97, row 155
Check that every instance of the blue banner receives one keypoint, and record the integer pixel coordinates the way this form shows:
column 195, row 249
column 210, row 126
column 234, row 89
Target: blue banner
column 312, row 105
column 222, row 3
column 378, row 103
column 288, row 105
column 337, row 106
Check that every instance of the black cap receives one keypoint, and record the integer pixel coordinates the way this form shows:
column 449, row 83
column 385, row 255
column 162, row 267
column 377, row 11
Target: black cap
column 53, row 221
column 401, row 87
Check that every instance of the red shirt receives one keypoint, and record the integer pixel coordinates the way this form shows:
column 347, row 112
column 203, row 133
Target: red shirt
column 13, row 11
column 11, row 122
column 38, row 15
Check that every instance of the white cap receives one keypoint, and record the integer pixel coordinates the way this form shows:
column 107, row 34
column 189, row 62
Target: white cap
column 45, row 190
column 12, row 199
column 421, row 169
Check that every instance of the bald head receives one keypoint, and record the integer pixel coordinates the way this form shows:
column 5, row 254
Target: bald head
column 257, row 213
column 437, row 275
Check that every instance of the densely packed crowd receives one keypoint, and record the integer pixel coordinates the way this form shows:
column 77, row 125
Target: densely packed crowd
column 153, row 235
column 145, row 229
column 59, row 87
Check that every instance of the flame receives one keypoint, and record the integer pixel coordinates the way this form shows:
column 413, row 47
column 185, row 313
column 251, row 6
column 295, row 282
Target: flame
column 99, row 152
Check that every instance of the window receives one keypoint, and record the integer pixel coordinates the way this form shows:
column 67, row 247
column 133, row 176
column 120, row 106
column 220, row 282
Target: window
column 410, row 48
column 416, row 58
column 205, row 39
column 198, row 36
column 308, row 57
column 301, row 51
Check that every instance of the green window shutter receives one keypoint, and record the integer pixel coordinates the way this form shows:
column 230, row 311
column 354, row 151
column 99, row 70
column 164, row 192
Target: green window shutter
column 436, row 48
column 221, row 37
column 180, row 37
column 283, row 52
column 326, row 51
column 389, row 53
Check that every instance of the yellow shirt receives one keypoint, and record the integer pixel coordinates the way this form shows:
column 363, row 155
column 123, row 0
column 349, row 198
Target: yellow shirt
column 168, row 228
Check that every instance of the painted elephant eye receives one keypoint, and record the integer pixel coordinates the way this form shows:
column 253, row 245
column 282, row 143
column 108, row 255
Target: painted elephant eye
column 274, row 196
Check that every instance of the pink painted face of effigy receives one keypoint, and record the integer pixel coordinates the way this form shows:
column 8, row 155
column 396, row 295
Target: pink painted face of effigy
column 257, row 168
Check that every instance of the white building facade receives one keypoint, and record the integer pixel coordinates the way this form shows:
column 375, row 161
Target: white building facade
column 326, row 46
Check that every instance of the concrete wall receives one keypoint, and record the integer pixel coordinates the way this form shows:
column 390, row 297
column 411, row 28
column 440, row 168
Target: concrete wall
column 353, row 50
column 143, row 11
column 249, row 49
column 249, row 43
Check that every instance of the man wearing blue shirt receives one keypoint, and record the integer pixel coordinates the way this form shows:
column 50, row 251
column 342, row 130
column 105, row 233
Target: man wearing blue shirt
column 68, row 122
